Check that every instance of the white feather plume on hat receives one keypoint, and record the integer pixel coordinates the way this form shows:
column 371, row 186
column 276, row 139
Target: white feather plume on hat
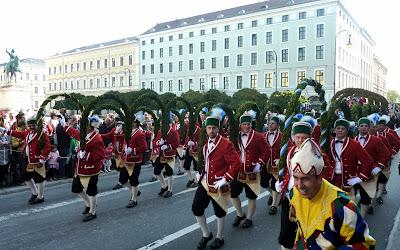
column 95, row 121
column 251, row 113
column 139, row 116
column 374, row 118
column 218, row 113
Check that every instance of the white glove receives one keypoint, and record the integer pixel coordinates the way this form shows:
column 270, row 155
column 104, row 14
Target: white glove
column 118, row 129
column 220, row 183
column 198, row 176
column 276, row 162
column 61, row 120
column 257, row 168
column 183, row 152
column 353, row 181
column 190, row 143
column 161, row 141
column 128, row 150
column 42, row 161
column 81, row 154
column 164, row 147
column 376, row 170
column 278, row 186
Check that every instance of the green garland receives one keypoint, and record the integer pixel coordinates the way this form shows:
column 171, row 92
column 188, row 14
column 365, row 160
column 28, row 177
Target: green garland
column 173, row 104
column 109, row 106
column 207, row 105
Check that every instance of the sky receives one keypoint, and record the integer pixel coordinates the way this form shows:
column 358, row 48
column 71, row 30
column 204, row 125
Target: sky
column 43, row 28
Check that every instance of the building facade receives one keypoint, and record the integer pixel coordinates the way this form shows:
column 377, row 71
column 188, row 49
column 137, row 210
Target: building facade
column 268, row 46
column 379, row 81
column 95, row 69
column 28, row 91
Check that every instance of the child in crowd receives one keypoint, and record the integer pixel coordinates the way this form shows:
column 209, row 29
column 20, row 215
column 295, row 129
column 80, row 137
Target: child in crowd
column 107, row 161
column 54, row 158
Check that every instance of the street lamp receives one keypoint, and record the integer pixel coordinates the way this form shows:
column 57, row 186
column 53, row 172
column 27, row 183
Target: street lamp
column 276, row 70
column 348, row 44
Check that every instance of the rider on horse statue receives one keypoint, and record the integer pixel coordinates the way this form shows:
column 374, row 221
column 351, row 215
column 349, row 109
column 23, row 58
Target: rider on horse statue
column 12, row 66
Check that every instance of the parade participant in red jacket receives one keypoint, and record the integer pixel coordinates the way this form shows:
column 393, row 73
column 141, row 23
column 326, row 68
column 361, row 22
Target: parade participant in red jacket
column 88, row 164
column 253, row 152
column 190, row 154
column 381, row 156
column 118, row 140
column 35, row 152
column 222, row 164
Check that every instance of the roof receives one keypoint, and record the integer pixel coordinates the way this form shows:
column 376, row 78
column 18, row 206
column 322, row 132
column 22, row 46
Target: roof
column 99, row 45
column 227, row 13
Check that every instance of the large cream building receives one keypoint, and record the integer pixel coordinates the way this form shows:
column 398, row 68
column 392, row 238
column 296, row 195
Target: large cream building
column 94, row 69
column 28, row 91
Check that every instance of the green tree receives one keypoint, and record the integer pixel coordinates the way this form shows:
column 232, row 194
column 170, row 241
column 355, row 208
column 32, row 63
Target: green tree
column 248, row 94
column 70, row 105
column 166, row 97
column 193, row 97
column 393, row 96
column 216, row 96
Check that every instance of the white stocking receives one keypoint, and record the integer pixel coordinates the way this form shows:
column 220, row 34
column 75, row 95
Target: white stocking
column 92, row 201
column 203, row 225
column 238, row 206
column 85, row 198
column 32, row 185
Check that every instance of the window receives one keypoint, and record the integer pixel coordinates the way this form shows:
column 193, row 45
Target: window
column 77, row 67
column 36, row 104
column 143, row 55
column 300, row 76
column 319, row 52
column 190, row 65
column 113, row 81
column 269, row 57
column 121, row 59
column 170, row 38
column 320, row 12
column 202, row 47
column 320, row 30
column 302, row 15
column 143, row 85
column 319, row 76
column 191, row 84
column 253, row 58
column 49, row 72
column 65, row 69
column 161, row 83
column 214, row 45
column 55, row 86
column 268, row 80
column 152, row 85
column 239, row 60
column 130, row 80
column 152, row 69
column 98, row 64
column 112, row 62
column 152, row 41
column 285, row 35
column 301, row 54
column 284, row 79
column 240, row 41
column 227, row 28
column 180, row 36
column 214, row 30
column 121, row 81
column 253, row 39
column 285, row 55
column 180, row 66
column 191, row 48
column 268, row 37
column 84, row 66
column 105, row 63
column 49, row 86
column 239, row 82
column 170, row 85
column 170, row 67
column 213, row 62
column 226, row 82
column 213, row 83
column 66, row 84
column 97, row 83
column 201, row 63
column 54, row 70
column 180, row 85
column 60, row 85
column 226, row 43
column 269, row 20
column 161, row 39
column 36, row 90
column 191, row 34
column 202, row 32
column 105, row 82
column 143, row 42
column 226, row 61
column 161, row 68
column 253, row 81
column 143, row 69
column 27, row 75
column 285, row 18
column 169, row 51
column 36, row 77
column 240, row 26
column 161, row 52
column 254, row 23
column 202, row 86
column 302, row 33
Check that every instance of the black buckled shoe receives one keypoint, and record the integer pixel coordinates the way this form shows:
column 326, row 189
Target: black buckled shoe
column 238, row 219
column 118, row 186
column 189, row 183
column 163, row 190
column 370, row 210
column 194, row 185
column 86, row 210
column 203, row 242
column 247, row 223
column 33, row 197
column 167, row 194
column 180, row 173
column 89, row 217
column 37, row 201
column 269, row 200
column 132, row 204
column 385, row 191
column 273, row 210
column 218, row 243
column 379, row 200
column 139, row 193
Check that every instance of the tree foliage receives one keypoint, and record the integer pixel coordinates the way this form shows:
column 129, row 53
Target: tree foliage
column 393, row 96
column 251, row 95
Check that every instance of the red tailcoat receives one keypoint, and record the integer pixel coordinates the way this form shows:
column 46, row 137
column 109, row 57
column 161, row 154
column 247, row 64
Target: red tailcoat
column 393, row 141
column 35, row 154
column 255, row 151
column 316, row 133
column 377, row 150
column 94, row 153
column 274, row 149
column 119, row 143
column 172, row 141
column 139, row 146
column 221, row 161
column 195, row 139
column 352, row 154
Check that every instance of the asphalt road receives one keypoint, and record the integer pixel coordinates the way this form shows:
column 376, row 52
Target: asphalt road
column 156, row 222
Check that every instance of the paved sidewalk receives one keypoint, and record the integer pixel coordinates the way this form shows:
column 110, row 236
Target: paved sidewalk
column 394, row 237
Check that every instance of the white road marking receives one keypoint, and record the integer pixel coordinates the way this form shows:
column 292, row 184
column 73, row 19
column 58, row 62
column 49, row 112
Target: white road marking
column 392, row 234
column 185, row 191
column 191, row 228
column 69, row 202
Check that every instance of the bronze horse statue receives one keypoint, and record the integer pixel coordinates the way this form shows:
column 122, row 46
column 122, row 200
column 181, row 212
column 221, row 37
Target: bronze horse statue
column 12, row 67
